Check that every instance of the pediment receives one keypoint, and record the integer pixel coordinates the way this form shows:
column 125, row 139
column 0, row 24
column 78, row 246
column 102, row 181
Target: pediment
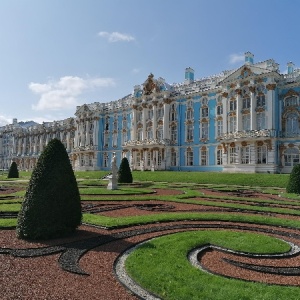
column 244, row 72
column 82, row 109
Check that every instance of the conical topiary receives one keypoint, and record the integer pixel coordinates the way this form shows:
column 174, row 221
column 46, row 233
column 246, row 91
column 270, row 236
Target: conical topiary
column 51, row 207
column 13, row 171
column 124, row 173
column 293, row 185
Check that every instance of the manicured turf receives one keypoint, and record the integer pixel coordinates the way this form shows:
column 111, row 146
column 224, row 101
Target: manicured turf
column 161, row 266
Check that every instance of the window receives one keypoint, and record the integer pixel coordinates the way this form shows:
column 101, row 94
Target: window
column 160, row 112
column 219, row 127
column 261, row 120
column 159, row 158
column 106, row 139
column 292, row 124
column 189, row 114
column 204, row 112
column 204, row 130
column 262, row 154
column 140, row 134
column 260, row 100
column 232, row 105
column 159, row 133
column 291, row 101
column 105, row 160
column 174, row 133
column 204, row 157
column 232, row 124
column 173, row 115
column 124, row 124
column 189, row 157
column 219, row 157
column 245, row 155
column 246, row 102
column 219, row 109
column 233, row 159
column 189, row 132
column 173, row 159
column 150, row 113
column 91, row 140
column 149, row 133
column 246, row 122
column 115, row 140
column 291, row 157
column 124, row 137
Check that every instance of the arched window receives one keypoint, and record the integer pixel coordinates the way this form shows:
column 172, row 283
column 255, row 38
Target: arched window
column 260, row 100
column 291, row 101
column 189, row 157
column 219, row 109
column 291, row 157
column 204, row 156
column 292, row 124
column 246, row 102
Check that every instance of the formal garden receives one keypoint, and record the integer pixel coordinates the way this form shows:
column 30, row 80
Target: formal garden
column 166, row 235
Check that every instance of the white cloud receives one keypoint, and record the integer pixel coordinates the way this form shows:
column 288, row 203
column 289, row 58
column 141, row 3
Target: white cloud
column 116, row 36
column 5, row 120
column 236, row 58
column 65, row 92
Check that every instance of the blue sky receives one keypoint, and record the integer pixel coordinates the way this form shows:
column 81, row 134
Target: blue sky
column 57, row 54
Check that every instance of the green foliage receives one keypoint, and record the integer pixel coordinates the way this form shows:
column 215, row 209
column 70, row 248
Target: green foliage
column 51, row 206
column 13, row 171
column 124, row 173
column 293, row 185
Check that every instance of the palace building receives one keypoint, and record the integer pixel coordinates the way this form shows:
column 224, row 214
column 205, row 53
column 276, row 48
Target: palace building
column 242, row 120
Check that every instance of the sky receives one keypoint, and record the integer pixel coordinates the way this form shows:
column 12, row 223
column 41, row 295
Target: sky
column 59, row 54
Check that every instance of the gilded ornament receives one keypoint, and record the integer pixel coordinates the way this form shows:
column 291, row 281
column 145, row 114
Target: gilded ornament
column 271, row 86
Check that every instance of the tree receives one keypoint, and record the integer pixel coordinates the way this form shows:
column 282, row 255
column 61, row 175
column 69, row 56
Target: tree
column 293, row 185
column 124, row 173
column 13, row 171
column 51, row 206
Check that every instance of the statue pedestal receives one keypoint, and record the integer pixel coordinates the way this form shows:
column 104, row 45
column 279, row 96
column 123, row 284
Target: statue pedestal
column 113, row 183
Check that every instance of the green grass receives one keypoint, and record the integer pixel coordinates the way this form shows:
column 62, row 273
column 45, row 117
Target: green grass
column 119, row 191
column 114, row 222
column 161, row 266
column 13, row 207
column 7, row 223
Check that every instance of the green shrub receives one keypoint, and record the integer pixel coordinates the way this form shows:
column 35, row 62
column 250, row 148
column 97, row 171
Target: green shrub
column 51, row 206
column 293, row 185
column 124, row 173
column 13, row 171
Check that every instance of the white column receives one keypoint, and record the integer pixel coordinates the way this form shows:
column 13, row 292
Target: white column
column 270, row 105
column 68, row 140
column 95, row 133
column 166, row 128
column 19, row 145
column 154, row 118
column 144, row 121
column 238, row 111
column 133, row 129
column 253, row 112
column 87, row 133
column 225, row 110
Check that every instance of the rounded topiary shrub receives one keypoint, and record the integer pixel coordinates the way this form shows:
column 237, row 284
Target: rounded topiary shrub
column 13, row 171
column 51, row 207
column 124, row 173
column 293, row 185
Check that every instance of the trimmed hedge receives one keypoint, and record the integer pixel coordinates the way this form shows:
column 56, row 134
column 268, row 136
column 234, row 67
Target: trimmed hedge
column 124, row 173
column 293, row 185
column 51, row 207
column 13, row 171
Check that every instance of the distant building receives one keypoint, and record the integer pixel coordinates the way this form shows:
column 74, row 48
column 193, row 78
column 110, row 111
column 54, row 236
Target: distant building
column 243, row 120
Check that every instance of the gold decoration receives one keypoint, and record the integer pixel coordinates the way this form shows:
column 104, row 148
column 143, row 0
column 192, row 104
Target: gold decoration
column 252, row 89
column 244, row 143
column 238, row 91
column 232, row 85
column 232, row 144
column 269, row 144
column 290, row 93
column 260, row 143
column 225, row 95
column 271, row 86
column 291, row 145
column 149, row 85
